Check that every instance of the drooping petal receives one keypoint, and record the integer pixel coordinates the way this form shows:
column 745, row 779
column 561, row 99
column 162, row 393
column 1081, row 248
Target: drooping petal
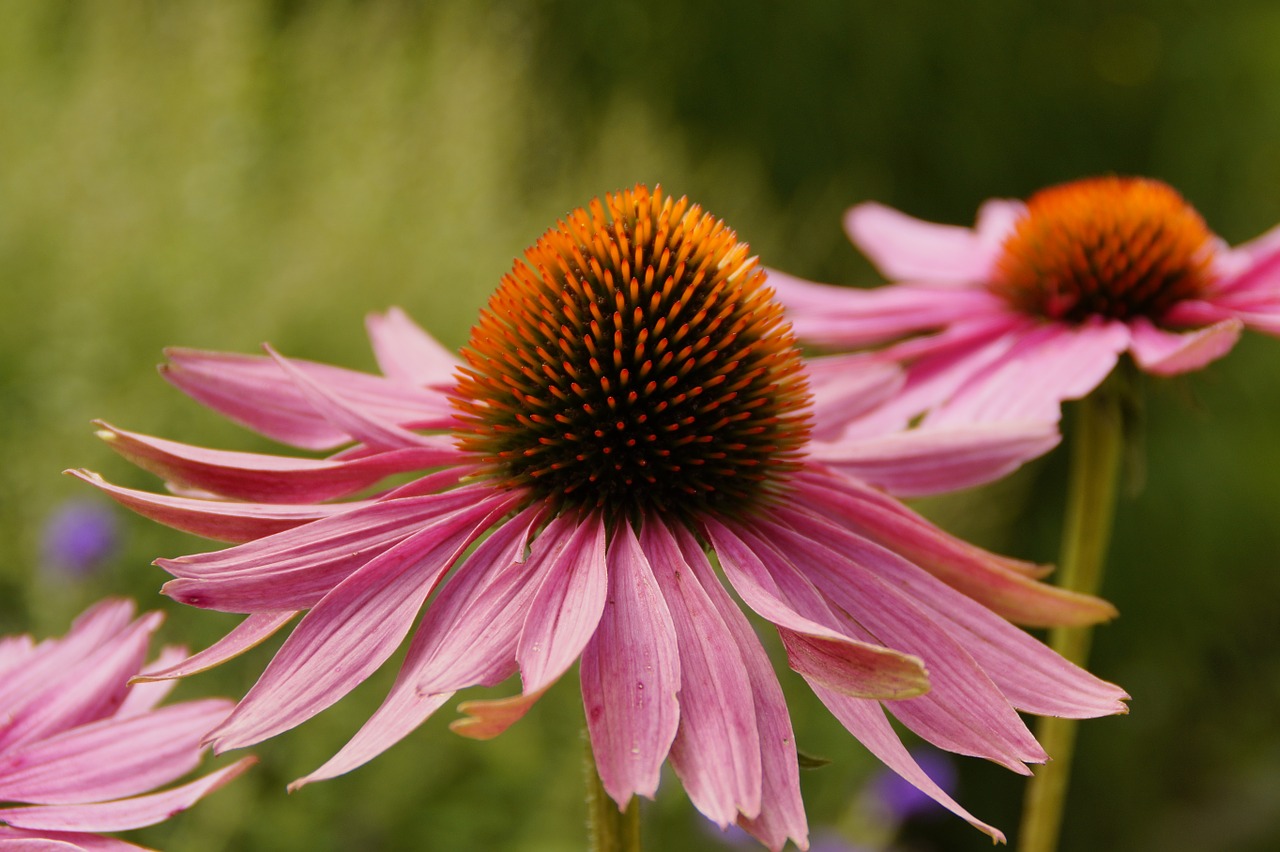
column 963, row 711
column 866, row 721
column 407, row 353
column 905, row 248
column 781, row 808
column 1168, row 353
column 122, row 814
column 815, row 645
column 927, row 460
column 145, row 697
column 354, row 628
column 250, row 633
column 716, row 751
column 566, row 608
column 267, row 478
column 216, row 519
column 630, row 675
column 467, row 637
column 330, row 547
column 1032, row 676
column 1010, row 591
column 254, row 391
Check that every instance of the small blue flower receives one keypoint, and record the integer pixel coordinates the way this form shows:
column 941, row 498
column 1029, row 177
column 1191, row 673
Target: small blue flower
column 79, row 536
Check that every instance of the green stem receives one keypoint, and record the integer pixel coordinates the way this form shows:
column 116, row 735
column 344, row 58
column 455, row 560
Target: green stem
column 1097, row 449
column 611, row 830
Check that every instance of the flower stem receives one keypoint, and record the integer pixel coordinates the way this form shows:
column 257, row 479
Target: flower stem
column 1096, row 454
column 611, row 830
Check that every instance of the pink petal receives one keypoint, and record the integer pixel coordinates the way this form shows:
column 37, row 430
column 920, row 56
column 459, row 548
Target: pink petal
column 845, row 387
column 938, row 366
column 866, row 721
column 989, row 579
column 353, row 629
column 1031, row 675
column 963, row 711
column 267, row 478
column 29, row 666
column 123, row 814
column 250, row 633
column 407, row 353
column 18, row 840
column 360, row 422
column 781, row 809
column 1167, row 353
column 110, row 758
column 905, row 248
column 75, row 684
column 467, row 637
column 145, row 697
column 851, row 317
column 566, row 608
column 215, row 519
column 1052, row 363
column 331, row 546
column 716, row 751
column 630, row 675
column 816, row 647
column 254, row 391
column 932, row 460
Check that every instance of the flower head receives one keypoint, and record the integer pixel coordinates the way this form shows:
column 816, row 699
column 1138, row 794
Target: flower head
column 1036, row 304
column 631, row 407
column 80, row 747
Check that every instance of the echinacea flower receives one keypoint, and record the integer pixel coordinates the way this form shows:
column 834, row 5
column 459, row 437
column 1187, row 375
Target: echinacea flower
column 80, row 748
column 630, row 406
column 1037, row 302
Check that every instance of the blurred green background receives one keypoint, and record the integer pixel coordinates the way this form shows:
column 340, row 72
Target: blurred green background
column 221, row 174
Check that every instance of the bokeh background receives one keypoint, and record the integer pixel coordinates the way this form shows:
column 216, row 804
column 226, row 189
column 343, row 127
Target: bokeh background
column 222, row 174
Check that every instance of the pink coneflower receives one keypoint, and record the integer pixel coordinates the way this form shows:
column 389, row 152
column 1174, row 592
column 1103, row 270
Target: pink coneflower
column 1037, row 302
column 80, row 747
column 631, row 408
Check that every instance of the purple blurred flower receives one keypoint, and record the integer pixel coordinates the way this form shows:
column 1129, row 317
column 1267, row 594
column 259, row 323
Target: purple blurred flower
column 79, row 537
column 899, row 800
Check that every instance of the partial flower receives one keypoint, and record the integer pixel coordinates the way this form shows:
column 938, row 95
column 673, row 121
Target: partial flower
column 80, row 748
column 629, row 411
column 1037, row 302
column 79, row 537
